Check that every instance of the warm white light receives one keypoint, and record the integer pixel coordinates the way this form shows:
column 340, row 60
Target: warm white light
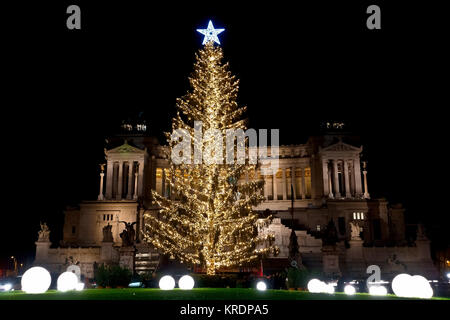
column 186, row 282
column 377, row 290
column 36, row 280
column 80, row 286
column 67, row 281
column 261, row 286
column 349, row 289
column 167, row 283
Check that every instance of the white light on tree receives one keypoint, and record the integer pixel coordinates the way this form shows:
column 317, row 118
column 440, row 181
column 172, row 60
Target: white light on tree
column 377, row 290
column 349, row 289
column 210, row 33
column 67, row 281
column 36, row 280
column 166, row 283
column 186, row 282
column 261, row 286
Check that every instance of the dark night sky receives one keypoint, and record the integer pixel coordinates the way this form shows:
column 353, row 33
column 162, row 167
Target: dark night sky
column 65, row 91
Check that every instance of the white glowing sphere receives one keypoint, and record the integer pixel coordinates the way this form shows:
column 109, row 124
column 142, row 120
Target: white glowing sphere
column 6, row 287
column 421, row 287
column 377, row 290
column 261, row 286
column 186, row 282
column 36, row 280
column 402, row 285
column 315, row 286
column 67, row 281
column 80, row 286
column 166, row 283
column 328, row 288
column 349, row 289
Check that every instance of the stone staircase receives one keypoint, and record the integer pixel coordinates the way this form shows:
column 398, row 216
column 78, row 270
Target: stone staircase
column 146, row 259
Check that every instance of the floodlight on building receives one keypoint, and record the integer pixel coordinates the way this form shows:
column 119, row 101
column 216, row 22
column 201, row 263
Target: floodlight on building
column 186, row 282
column 166, row 283
column 261, row 286
column 36, row 280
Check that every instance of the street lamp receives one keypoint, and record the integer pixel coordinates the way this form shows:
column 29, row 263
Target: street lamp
column 15, row 263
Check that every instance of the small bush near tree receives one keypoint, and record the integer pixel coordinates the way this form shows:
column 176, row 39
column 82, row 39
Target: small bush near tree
column 112, row 276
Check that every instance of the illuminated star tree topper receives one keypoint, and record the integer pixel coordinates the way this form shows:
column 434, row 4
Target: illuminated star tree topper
column 210, row 33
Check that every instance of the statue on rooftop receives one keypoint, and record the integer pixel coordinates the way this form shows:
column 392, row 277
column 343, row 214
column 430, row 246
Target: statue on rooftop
column 128, row 234
column 44, row 233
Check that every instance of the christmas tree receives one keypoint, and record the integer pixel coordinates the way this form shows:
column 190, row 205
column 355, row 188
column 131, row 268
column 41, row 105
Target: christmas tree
column 211, row 223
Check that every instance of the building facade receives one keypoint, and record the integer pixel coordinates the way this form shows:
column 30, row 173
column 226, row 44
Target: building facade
column 324, row 177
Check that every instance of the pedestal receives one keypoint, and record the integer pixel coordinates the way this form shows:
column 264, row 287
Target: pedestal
column 330, row 260
column 42, row 248
column 108, row 253
column 126, row 257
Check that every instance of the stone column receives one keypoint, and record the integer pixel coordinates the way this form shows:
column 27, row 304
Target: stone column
column 326, row 190
column 348, row 194
column 135, row 185
column 293, row 182
column 130, row 180
column 163, row 182
column 284, row 183
column 336, row 179
column 120, row 181
column 275, row 186
column 140, row 179
column 100, row 195
column 330, row 184
column 366, row 189
column 303, row 183
column 358, row 186
column 109, row 179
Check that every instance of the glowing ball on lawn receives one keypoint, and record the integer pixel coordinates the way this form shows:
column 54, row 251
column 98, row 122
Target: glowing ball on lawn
column 328, row 288
column 36, row 280
column 349, row 289
column 402, row 285
column 6, row 287
column 261, row 286
column 80, row 286
column 377, row 290
column 166, row 283
column 421, row 287
column 67, row 281
column 186, row 282
column 316, row 286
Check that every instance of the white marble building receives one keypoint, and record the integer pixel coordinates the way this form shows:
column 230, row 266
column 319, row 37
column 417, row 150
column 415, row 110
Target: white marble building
column 328, row 180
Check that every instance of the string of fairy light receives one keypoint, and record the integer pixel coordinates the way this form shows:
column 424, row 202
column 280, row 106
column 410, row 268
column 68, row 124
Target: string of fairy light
column 212, row 222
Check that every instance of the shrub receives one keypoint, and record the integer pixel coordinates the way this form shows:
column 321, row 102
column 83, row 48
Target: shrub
column 112, row 276
column 297, row 278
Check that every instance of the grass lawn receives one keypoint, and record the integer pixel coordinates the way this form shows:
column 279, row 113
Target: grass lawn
column 195, row 294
